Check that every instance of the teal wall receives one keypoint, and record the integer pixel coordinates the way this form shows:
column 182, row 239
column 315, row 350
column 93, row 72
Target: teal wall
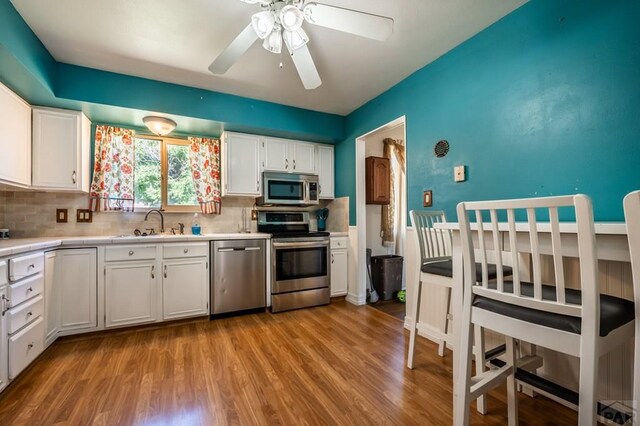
column 28, row 69
column 544, row 102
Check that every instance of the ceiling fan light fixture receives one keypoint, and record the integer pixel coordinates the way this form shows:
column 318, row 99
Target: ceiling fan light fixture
column 263, row 23
column 273, row 42
column 291, row 17
column 160, row 126
column 250, row 1
column 295, row 39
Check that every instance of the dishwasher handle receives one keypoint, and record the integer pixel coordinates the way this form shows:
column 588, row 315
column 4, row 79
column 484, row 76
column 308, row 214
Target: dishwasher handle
column 227, row 249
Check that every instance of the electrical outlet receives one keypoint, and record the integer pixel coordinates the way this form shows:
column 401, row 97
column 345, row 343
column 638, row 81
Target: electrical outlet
column 61, row 215
column 459, row 174
column 84, row 216
column 254, row 214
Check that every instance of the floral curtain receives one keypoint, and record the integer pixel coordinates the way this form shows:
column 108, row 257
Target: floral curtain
column 394, row 151
column 113, row 171
column 204, row 155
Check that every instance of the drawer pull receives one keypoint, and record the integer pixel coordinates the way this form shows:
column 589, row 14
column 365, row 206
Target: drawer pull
column 186, row 251
column 332, row 258
column 29, row 314
column 153, row 272
column 73, row 177
column 29, row 346
column 7, row 304
column 131, row 252
column 165, row 271
column 31, row 266
column 30, row 289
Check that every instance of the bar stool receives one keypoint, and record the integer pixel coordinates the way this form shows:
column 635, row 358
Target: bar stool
column 580, row 323
column 632, row 218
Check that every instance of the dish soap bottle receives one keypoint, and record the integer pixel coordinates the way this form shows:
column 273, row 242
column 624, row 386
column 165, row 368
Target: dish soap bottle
column 195, row 225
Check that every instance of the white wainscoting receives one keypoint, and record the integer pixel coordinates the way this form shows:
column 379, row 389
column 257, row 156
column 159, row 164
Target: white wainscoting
column 616, row 368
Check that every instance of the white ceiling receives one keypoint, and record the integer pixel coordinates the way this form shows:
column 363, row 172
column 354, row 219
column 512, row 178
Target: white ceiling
column 176, row 40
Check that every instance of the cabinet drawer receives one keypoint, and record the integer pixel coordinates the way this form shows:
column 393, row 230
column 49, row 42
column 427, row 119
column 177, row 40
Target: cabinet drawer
column 26, row 289
column 4, row 276
column 129, row 253
column 19, row 316
column 24, row 266
column 25, row 346
column 173, row 251
column 339, row 243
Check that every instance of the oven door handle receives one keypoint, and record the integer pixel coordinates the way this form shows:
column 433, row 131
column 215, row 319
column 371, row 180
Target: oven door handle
column 302, row 244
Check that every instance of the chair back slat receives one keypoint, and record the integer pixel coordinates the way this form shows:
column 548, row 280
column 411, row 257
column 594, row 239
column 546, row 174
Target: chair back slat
column 556, row 245
column 432, row 243
column 535, row 254
column 483, row 249
column 496, row 244
column 531, row 238
column 515, row 257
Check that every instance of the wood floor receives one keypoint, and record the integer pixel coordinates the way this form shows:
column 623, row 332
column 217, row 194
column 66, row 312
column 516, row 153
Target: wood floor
column 393, row 307
column 333, row 365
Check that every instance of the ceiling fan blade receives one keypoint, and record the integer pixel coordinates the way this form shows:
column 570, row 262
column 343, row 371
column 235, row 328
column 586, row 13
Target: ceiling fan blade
column 349, row 21
column 237, row 48
column 306, row 67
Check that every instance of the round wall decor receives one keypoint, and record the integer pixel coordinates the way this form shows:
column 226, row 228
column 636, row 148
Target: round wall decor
column 441, row 148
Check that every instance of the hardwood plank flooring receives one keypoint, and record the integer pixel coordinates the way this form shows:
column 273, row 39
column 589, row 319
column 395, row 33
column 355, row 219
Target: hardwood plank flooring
column 394, row 307
column 332, row 365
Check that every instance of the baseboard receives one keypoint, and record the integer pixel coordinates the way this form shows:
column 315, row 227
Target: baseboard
column 355, row 300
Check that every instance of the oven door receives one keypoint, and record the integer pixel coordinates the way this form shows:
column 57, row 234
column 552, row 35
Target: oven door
column 299, row 265
column 285, row 191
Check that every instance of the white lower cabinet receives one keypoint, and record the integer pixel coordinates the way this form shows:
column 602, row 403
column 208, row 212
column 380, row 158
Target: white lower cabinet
column 185, row 288
column 131, row 293
column 51, row 298
column 25, row 346
column 77, row 289
column 4, row 356
column 339, row 266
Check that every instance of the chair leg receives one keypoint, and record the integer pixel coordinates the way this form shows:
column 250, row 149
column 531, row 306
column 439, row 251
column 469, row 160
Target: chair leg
column 479, row 350
column 445, row 329
column 588, row 383
column 414, row 327
column 462, row 395
column 512, row 391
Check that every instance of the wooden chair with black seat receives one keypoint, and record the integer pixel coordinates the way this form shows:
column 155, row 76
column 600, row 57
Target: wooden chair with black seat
column 579, row 322
column 632, row 218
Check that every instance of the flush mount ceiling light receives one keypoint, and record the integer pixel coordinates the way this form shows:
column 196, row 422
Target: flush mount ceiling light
column 160, row 126
column 282, row 20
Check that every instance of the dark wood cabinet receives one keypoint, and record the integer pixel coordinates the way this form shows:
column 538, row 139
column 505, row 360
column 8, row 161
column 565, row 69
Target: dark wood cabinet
column 378, row 180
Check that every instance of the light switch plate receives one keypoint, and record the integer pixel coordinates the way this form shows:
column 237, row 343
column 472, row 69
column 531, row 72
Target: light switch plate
column 459, row 174
column 61, row 215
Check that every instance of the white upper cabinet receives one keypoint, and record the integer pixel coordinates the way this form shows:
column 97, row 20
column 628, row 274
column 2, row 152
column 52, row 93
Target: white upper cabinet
column 275, row 154
column 61, row 150
column 283, row 155
column 241, row 174
column 15, row 139
column 325, row 171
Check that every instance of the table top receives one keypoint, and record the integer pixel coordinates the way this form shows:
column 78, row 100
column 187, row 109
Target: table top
column 601, row 228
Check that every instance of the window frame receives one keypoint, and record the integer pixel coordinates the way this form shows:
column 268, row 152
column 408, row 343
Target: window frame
column 164, row 175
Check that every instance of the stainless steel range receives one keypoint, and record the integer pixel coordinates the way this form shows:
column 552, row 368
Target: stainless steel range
column 300, row 267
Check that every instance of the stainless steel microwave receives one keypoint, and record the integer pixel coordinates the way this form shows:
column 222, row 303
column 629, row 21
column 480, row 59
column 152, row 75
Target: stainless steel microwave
column 289, row 189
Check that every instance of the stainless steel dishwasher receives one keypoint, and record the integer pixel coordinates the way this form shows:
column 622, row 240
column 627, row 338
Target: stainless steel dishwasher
column 238, row 275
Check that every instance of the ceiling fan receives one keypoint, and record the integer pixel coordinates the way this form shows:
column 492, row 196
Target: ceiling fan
column 281, row 20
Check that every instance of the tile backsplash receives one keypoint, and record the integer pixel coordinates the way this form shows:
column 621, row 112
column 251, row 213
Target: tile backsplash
column 33, row 214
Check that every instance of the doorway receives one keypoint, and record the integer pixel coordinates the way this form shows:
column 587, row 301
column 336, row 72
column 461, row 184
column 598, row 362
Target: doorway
column 382, row 230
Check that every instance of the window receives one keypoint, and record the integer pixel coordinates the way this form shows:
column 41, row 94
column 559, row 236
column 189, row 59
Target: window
column 163, row 175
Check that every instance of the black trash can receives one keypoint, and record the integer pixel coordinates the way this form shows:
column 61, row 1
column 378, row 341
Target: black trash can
column 386, row 275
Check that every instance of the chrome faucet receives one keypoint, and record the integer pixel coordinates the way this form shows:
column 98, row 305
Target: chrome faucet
column 159, row 211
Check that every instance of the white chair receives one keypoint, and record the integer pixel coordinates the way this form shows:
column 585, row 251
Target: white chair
column 581, row 323
column 632, row 218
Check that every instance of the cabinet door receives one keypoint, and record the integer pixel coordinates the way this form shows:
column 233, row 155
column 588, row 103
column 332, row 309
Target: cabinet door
column 4, row 360
column 378, row 180
column 241, row 171
column 15, row 138
column 275, row 154
column 130, row 293
column 77, row 286
column 56, row 149
column 339, row 272
column 325, row 171
column 304, row 157
column 185, row 288
column 51, row 298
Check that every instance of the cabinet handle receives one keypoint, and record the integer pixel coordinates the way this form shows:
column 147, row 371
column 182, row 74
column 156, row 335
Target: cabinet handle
column 258, row 186
column 153, row 270
column 320, row 188
column 31, row 266
column 30, row 345
column 6, row 304
column 185, row 251
column 332, row 258
column 30, row 289
column 131, row 252
column 29, row 314
column 294, row 164
column 165, row 269
column 73, row 176
column 286, row 163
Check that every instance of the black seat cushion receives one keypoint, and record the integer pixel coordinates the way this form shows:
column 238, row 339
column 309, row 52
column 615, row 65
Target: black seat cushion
column 614, row 311
column 445, row 268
